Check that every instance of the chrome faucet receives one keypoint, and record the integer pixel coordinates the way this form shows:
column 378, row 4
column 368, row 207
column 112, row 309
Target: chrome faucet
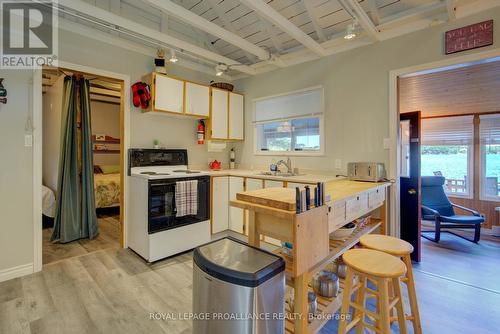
column 287, row 163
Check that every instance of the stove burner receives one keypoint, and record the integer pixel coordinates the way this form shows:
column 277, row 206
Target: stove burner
column 154, row 173
column 187, row 171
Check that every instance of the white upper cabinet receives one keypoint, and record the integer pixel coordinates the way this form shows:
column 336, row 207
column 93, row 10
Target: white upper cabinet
column 219, row 116
column 197, row 99
column 168, row 94
column 236, row 116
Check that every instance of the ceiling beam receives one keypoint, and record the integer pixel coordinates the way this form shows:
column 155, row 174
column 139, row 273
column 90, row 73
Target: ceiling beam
column 228, row 24
column 270, row 14
column 199, row 22
column 132, row 46
column 412, row 13
column 374, row 13
column 363, row 19
column 123, row 23
column 314, row 20
column 451, row 8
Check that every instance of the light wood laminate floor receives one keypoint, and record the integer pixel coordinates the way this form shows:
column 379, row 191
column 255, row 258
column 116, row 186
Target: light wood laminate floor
column 114, row 291
column 109, row 237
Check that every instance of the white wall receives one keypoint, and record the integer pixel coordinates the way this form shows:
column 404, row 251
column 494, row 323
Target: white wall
column 356, row 94
column 51, row 120
column 16, row 205
column 106, row 121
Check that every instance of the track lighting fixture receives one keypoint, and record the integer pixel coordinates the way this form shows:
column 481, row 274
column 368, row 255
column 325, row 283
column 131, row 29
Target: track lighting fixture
column 350, row 32
column 173, row 58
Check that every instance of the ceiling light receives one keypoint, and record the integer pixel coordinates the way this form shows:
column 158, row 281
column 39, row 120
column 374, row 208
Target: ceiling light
column 350, row 32
column 220, row 69
column 173, row 58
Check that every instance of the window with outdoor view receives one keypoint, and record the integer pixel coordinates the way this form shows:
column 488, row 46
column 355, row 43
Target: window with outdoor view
column 489, row 132
column 290, row 123
column 446, row 150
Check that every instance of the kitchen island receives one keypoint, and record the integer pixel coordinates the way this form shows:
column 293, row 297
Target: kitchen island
column 272, row 214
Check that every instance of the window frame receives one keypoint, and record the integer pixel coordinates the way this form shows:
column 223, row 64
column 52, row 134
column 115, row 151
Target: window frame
column 320, row 116
column 471, row 147
column 482, row 168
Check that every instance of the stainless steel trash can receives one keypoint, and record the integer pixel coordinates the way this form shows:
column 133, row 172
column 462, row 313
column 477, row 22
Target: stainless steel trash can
column 237, row 289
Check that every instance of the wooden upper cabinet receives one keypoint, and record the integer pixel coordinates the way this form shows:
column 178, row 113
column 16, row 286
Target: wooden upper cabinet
column 219, row 114
column 236, row 116
column 197, row 101
column 167, row 94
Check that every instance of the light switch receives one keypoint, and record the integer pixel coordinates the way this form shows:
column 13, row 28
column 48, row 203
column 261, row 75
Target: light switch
column 387, row 143
column 28, row 140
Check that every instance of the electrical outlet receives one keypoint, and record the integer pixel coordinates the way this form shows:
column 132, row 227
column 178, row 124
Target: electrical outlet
column 28, row 140
column 338, row 164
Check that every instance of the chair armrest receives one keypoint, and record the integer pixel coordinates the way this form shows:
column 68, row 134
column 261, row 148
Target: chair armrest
column 475, row 213
column 434, row 212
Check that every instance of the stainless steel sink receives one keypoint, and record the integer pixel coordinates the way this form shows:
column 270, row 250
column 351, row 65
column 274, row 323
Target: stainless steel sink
column 280, row 174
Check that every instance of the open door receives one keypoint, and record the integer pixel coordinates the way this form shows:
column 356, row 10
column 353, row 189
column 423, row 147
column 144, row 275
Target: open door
column 410, row 180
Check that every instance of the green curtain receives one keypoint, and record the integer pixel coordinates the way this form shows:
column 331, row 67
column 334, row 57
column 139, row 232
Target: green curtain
column 89, row 217
column 75, row 211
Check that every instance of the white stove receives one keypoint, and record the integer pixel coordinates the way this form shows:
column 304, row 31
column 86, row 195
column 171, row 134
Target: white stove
column 155, row 229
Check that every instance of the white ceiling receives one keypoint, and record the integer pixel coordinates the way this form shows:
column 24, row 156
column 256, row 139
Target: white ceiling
column 321, row 25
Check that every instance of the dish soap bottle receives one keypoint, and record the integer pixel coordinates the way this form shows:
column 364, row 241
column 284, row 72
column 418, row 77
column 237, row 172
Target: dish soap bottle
column 231, row 158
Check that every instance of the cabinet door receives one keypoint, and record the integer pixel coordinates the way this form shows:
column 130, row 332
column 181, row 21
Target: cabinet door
column 236, row 116
column 219, row 114
column 168, row 94
column 220, row 204
column 197, row 99
column 236, row 185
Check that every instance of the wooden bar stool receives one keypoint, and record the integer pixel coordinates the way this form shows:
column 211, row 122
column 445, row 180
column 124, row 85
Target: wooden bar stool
column 402, row 249
column 384, row 270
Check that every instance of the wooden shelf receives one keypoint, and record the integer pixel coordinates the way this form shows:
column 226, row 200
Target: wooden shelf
column 327, row 307
column 106, row 151
column 108, row 140
column 337, row 248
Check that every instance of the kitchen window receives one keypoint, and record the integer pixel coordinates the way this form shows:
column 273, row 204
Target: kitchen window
column 489, row 132
column 447, row 150
column 290, row 124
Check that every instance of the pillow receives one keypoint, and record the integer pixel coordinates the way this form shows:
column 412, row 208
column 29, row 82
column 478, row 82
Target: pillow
column 97, row 169
column 110, row 169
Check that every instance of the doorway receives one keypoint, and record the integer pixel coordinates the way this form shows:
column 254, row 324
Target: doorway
column 109, row 105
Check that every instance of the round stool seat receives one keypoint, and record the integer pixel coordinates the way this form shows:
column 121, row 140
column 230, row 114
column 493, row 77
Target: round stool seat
column 386, row 244
column 374, row 263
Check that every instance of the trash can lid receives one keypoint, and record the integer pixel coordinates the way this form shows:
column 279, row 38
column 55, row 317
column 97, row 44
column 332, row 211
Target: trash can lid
column 233, row 261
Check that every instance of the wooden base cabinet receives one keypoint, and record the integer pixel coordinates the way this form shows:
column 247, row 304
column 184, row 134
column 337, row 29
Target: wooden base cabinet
column 220, row 204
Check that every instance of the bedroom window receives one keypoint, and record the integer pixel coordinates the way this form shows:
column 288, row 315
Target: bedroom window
column 290, row 124
column 447, row 150
column 489, row 132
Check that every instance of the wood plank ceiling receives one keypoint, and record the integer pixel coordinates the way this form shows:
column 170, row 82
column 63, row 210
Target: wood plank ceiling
column 464, row 90
column 321, row 24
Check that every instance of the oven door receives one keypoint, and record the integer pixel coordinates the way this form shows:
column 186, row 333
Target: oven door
column 162, row 210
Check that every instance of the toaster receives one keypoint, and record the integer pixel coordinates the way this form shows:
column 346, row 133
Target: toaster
column 366, row 171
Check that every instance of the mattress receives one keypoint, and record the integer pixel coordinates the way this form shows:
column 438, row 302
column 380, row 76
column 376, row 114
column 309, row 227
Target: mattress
column 48, row 202
column 107, row 190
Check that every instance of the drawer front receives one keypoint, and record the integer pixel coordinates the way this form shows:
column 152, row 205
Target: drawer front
column 356, row 206
column 336, row 218
column 376, row 198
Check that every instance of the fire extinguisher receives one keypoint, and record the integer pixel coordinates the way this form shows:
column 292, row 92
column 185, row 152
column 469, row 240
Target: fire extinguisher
column 201, row 132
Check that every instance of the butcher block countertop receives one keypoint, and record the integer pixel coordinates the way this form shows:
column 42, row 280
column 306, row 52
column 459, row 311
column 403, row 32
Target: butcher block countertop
column 342, row 189
column 284, row 198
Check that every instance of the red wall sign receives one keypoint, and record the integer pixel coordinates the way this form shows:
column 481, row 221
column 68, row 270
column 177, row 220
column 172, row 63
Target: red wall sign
column 470, row 37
